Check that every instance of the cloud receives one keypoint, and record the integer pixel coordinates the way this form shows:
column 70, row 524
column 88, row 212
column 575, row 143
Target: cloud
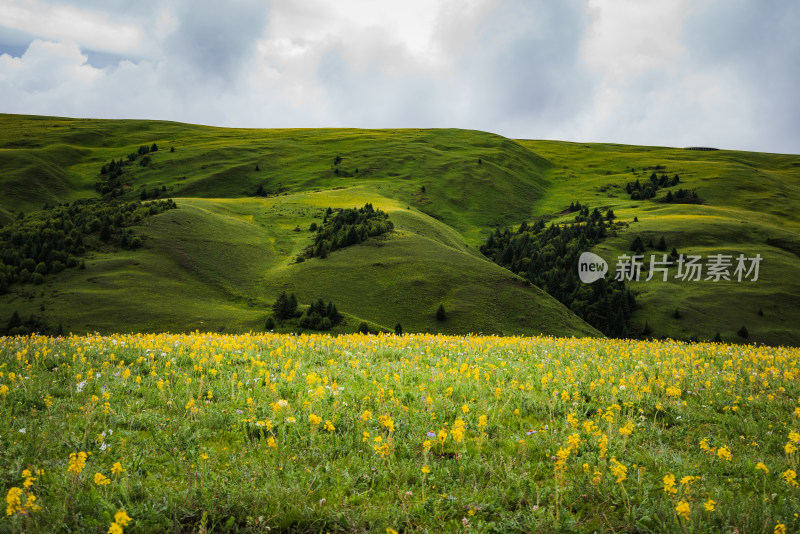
column 666, row 72
column 89, row 28
column 214, row 41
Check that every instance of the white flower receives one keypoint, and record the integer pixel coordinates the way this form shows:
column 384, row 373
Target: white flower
column 21, row 430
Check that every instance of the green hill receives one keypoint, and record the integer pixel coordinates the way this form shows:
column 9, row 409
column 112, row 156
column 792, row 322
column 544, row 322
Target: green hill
column 247, row 197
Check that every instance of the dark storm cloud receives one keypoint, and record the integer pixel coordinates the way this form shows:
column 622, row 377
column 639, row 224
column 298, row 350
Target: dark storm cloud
column 215, row 40
column 516, row 69
column 525, row 70
column 754, row 46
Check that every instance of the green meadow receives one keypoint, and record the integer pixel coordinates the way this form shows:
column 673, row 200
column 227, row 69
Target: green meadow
column 389, row 434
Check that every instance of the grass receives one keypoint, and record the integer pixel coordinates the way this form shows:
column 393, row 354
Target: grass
column 417, row 433
column 221, row 259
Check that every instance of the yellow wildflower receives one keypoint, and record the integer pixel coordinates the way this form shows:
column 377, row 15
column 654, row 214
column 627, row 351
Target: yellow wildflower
column 684, row 509
column 13, row 501
column 669, row 484
column 121, row 518
column 76, row 462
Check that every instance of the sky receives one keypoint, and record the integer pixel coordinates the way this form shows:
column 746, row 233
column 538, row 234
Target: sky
column 717, row 73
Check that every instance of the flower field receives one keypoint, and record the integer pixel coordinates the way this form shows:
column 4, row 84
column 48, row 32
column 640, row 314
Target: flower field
column 415, row 433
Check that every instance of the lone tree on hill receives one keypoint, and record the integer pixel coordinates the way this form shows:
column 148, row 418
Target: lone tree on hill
column 440, row 313
column 743, row 332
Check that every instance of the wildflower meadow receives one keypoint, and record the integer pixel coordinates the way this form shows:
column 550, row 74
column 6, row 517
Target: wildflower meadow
column 411, row 433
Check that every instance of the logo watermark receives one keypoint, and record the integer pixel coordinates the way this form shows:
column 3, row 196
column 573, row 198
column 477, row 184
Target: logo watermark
column 690, row 268
column 591, row 267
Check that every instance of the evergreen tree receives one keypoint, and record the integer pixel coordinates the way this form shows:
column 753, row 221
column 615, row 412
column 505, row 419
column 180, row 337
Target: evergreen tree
column 105, row 232
column 281, row 307
column 662, row 244
column 14, row 321
column 270, row 324
column 398, row 329
column 742, row 332
column 440, row 313
column 637, row 245
column 717, row 338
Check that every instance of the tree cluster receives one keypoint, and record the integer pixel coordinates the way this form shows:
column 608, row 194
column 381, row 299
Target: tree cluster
column 285, row 307
column 50, row 240
column 110, row 182
column 16, row 326
column 344, row 227
column 644, row 191
column 321, row 316
column 318, row 316
column 547, row 256
column 682, row 196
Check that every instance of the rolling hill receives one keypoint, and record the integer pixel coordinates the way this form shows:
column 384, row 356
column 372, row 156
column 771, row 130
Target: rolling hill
column 246, row 200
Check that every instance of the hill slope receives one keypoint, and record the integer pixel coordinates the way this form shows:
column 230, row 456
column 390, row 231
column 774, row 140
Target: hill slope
column 247, row 197
column 221, row 259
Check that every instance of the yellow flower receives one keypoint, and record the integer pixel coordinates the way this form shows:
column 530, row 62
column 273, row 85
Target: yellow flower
column 627, row 430
column 76, row 462
column 789, row 448
column 101, row 480
column 329, row 426
column 465, row 409
column 780, row 528
column 315, row 420
column 724, row 453
column 426, row 469
column 709, row 505
column 391, row 531
column 762, row 467
column 790, row 477
column 121, row 518
column 684, row 509
column 672, row 391
column 366, row 416
column 117, row 469
column 482, row 421
column 618, row 470
column 271, row 443
column 669, row 484
column 685, row 481
column 114, row 529
column 13, row 501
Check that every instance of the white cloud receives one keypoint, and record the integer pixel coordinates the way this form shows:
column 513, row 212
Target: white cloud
column 90, row 29
column 667, row 72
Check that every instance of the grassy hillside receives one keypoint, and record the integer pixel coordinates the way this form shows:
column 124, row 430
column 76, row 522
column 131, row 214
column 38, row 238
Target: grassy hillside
column 221, row 259
column 749, row 207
